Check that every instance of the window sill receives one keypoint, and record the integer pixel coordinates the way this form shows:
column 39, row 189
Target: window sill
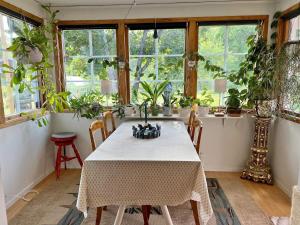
column 17, row 119
column 289, row 116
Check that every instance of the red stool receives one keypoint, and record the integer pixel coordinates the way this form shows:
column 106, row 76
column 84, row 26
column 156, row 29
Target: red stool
column 62, row 140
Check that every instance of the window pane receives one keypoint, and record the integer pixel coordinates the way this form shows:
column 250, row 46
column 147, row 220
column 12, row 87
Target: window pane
column 161, row 57
column 14, row 102
column 294, row 29
column 80, row 46
column 76, row 43
column 224, row 46
column 106, row 42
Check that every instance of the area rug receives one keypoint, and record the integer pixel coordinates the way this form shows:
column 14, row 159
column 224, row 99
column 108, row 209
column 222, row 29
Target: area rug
column 280, row 220
column 56, row 206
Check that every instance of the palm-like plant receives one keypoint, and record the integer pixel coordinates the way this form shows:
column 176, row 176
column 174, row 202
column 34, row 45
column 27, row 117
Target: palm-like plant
column 151, row 94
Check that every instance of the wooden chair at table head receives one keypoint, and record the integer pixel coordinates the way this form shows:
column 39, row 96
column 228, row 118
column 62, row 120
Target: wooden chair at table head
column 191, row 119
column 95, row 126
column 196, row 131
column 106, row 117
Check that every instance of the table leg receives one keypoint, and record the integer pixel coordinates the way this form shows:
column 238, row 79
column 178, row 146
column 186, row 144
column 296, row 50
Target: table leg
column 166, row 214
column 120, row 215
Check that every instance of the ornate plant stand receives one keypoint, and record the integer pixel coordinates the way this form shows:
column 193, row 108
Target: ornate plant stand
column 258, row 169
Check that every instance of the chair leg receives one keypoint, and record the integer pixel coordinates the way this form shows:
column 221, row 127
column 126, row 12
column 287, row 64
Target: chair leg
column 58, row 162
column 99, row 214
column 195, row 212
column 146, row 213
column 77, row 154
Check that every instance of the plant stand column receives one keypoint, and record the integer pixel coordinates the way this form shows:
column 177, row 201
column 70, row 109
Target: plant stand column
column 258, row 169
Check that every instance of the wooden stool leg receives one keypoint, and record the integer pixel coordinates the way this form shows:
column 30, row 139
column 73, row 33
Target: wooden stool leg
column 77, row 154
column 58, row 162
column 99, row 214
column 195, row 212
column 146, row 213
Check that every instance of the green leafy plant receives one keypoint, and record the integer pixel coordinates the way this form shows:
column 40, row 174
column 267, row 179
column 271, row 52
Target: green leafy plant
column 205, row 99
column 117, row 107
column 152, row 92
column 38, row 39
column 89, row 105
column 233, row 100
column 184, row 101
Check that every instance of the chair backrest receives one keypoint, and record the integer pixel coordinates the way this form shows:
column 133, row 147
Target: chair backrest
column 94, row 127
column 196, row 130
column 191, row 120
column 106, row 117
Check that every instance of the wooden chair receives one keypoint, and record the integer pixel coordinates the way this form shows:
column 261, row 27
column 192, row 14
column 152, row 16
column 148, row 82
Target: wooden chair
column 196, row 129
column 94, row 127
column 191, row 120
column 106, row 117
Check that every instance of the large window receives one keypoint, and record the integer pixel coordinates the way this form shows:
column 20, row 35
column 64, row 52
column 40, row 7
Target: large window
column 160, row 57
column 291, row 67
column 225, row 46
column 79, row 46
column 14, row 102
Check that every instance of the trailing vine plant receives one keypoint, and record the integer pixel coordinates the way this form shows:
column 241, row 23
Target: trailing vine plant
column 25, row 72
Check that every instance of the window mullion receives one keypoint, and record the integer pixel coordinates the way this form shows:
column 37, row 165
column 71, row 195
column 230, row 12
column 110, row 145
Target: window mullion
column 156, row 58
column 91, row 55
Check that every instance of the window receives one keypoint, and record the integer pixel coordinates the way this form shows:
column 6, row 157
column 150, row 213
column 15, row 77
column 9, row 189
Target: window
column 161, row 57
column 81, row 45
column 294, row 29
column 291, row 68
column 225, row 46
column 14, row 102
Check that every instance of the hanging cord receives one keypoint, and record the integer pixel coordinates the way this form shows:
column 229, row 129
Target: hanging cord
column 130, row 8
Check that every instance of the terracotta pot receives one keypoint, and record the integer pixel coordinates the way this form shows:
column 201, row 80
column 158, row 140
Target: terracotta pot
column 233, row 112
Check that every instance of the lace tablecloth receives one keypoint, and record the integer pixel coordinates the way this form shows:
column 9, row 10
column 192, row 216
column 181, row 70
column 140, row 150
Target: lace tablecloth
column 128, row 171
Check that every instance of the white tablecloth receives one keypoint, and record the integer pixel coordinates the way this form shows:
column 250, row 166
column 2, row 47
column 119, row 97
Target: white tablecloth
column 129, row 171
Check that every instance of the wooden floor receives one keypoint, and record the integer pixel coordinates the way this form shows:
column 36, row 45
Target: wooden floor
column 269, row 198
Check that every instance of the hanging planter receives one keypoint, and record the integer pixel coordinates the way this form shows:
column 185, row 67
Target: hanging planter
column 34, row 55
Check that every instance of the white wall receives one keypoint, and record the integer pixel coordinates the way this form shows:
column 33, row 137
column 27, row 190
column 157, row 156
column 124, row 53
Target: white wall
column 285, row 152
column 26, row 157
column 25, row 154
column 285, row 4
column 166, row 11
column 224, row 147
column 28, row 5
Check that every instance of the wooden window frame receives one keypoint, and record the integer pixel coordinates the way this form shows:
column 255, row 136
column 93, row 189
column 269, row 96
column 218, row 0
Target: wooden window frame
column 6, row 121
column 190, row 76
column 283, row 28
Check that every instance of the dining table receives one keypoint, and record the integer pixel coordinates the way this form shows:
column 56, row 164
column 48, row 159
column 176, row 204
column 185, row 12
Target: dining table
column 164, row 171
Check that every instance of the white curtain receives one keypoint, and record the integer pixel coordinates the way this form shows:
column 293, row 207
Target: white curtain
column 3, row 218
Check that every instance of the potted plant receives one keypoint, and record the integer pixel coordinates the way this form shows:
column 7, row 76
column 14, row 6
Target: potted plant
column 233, row 103
column 89, row 105
column 204, row 102
column 185, row 104
column 151, row 94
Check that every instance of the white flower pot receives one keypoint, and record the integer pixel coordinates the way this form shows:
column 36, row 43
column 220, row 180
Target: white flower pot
column 203, row 111
column 129, row 110
column 35, row 55
column 184, row 112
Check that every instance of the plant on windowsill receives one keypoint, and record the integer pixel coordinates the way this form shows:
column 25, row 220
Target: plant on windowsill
column 32, row 50
column 234, row 103
column 168, row 100
column 151, row 93
column 89, row 105
column 204, row 102
column 185, row 104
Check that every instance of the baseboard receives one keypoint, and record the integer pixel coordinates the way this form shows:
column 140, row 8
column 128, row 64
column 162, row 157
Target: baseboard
column 28, row 188
column 283, row 187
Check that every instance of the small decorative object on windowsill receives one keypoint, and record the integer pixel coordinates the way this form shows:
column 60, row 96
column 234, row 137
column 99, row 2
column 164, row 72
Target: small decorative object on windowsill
column 221, row 88
column 258, row 169
column 146, row 131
